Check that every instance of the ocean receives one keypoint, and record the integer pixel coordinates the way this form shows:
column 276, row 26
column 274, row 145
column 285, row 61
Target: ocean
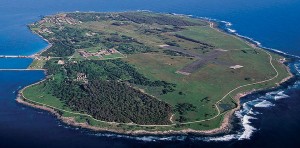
column 267, row 119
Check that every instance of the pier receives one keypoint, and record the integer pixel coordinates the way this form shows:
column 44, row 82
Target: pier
column 17, row 69
column 15, row 56
column 20, row 69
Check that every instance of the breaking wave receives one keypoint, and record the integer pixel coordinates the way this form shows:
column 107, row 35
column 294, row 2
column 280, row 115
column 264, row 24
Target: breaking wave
column 264, row 103
column 281, row 95
column 231, row 30
column 228, row 24
column 221, row 138
column 248, row 129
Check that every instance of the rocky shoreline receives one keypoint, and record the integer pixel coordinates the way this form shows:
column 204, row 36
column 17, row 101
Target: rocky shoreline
column 225, row 127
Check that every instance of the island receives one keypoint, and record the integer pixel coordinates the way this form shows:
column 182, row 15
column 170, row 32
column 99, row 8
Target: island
column 146, row 73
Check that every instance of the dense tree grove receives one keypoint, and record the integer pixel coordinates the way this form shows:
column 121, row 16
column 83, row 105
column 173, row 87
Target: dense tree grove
column 108, row 95
column 116, row 70
column 111, row 101
column 59, row 49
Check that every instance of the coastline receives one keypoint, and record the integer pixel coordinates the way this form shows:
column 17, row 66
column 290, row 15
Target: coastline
column 225, row 125
column 44, row 49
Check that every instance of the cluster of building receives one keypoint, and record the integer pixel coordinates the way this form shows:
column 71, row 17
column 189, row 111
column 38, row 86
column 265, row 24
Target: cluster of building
column 59, row 20
column 100, row 53
column 81, row 77
column 44, row 30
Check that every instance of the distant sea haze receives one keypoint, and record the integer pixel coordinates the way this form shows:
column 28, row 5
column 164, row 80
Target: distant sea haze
column 267, row 119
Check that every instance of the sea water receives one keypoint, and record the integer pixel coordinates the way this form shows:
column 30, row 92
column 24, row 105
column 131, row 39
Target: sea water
column 267, row 119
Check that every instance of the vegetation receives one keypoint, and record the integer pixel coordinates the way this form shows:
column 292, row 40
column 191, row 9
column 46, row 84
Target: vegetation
column 108, row 94
column 110, row 101
column 145, row 81
column 175, row 53
column 111, row 70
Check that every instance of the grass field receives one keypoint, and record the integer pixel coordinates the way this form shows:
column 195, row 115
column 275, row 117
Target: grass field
column 37, row 64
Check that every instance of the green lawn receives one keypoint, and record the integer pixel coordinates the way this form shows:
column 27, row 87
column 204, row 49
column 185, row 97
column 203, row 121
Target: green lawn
column 113, row 56
column 37, row 64
column 39, row 94
column 214, row 37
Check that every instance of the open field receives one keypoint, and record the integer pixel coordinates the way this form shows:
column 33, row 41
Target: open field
column 37, row 64
column 177, row 71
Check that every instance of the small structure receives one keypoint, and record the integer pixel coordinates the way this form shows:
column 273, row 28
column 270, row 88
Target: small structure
column 163, row 45
column 61, row 62
column 100, row 53
column 220, row 49
column 88, row 34
column 236, row 66
column 82, row 77
column 183, row 73
column 282, row 60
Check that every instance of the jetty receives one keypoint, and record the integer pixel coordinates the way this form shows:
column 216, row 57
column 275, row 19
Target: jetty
column 15, row 56
column 20, row 69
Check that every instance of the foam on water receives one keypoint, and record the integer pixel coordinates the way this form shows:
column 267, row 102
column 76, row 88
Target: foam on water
column 281, row 95
column 264, row 103
column 228, row 24
column 297, row 67
column 252, row 112
column 261, row 102
column 143, row 138
column 244, row 116
column 248, row 110
column 231, row 30
column 222, row 138
column 248, row 129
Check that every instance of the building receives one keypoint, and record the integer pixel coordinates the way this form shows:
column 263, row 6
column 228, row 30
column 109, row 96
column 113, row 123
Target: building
column 236, row 66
